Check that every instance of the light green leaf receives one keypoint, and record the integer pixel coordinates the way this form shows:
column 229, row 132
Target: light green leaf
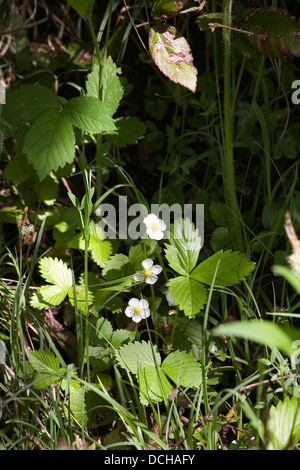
column 188, row 294
column 232, row 269
column 185, row 244
column 172, row 55
column 56, row 272
column 284, row 424
column 80, row 298
column 153, row 385
column 128, row 131
column 52, row 295
column 136, row 355
column 44, row 361
column 183, row 369
column 49, row 143
column 99, row 248
column 89, row 114
column 262, row 332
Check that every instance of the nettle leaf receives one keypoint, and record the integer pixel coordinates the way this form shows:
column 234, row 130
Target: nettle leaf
column 128, row 131
column 185, row 244
column 29, row 102
column 172, row 55
column 233, row 267
column 50, row 141
column 89, row 114
column 188, row 294
column 274, row 32
column 166, row 8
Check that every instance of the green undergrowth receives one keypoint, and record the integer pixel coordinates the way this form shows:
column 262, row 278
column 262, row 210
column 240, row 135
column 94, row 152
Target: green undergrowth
column 124, row 332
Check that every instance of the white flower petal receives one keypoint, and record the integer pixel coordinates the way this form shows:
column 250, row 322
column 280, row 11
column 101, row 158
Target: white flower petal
column 129, row 312
column 145, row 313
column 144, row 303
column 150, row 219
column 156, row 269
column 147, row 263
column 151, row 279
column 133, row 302
column 139, row 277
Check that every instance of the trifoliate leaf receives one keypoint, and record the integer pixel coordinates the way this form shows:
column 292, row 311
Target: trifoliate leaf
column 233, row 267
column 183, row 251
column 188, row 294
column 183, row 369
column 49, row 143
column 89, row 114
column 172, row 55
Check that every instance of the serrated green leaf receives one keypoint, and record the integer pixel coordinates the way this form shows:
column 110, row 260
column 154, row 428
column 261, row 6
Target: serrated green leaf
column 188, row 294
column 172, row 55
column 183, row 369
column 52, row 294
column 112, row 89
column 115, row 263
column 28, row 102
column 183, row 251
column 49, row 143
column 135, row 355
column 80, row 298
column 56, row 272
column 232, row 269
column 153, row 385
column 128, row 131
column 44, row 361
column 99, row 248
column 89, row 114
column 100, row 331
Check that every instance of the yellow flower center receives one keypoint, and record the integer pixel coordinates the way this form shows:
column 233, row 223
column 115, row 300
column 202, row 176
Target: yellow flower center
column 137, row 310
column 154, row 226
column 147, row 272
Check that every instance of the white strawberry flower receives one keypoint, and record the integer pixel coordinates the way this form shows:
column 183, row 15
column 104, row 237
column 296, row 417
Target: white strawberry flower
column 155, row 226
column 149, row 273
column 137, row 309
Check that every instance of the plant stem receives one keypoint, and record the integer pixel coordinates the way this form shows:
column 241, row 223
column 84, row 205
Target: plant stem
column 227, row 160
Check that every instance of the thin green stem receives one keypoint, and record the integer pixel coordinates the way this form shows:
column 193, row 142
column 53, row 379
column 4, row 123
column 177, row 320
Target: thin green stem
column 227, row 161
